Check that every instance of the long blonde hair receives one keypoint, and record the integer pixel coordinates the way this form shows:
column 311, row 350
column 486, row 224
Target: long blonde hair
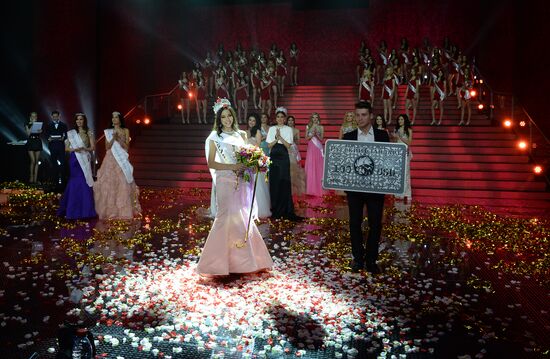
column 311, row 119
column 348, row 122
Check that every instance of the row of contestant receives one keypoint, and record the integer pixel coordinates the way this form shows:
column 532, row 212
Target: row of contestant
column 114, row 195
column 234, row 75
column 389, row 94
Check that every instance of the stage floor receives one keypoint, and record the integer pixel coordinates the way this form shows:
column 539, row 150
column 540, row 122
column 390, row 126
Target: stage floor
column 457, row 281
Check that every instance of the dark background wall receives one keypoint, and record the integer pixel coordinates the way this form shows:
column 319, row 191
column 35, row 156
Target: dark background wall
column 100, row 55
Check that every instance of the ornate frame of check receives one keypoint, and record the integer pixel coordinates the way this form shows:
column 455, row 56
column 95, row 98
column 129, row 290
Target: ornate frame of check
column 375, row 167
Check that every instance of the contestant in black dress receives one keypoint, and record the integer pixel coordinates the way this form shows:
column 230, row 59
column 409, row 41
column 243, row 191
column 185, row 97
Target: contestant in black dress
column 34, row 147
column 279, row 138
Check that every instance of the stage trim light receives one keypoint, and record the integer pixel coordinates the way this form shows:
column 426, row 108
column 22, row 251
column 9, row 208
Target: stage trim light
column 190, row 95
column 480, row 106
column 507, row 123
column 473, row 93
column 522, row 145
column 138, row 121
column 180, row 107
column 537, row 169
column 480, row 81
column 147, row 120
column 522, row 123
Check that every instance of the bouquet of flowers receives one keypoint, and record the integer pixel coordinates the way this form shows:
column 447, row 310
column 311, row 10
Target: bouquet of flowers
column 254, row 158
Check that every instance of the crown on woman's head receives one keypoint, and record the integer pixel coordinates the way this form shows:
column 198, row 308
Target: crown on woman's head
column 281, row 109
column 116, row 113
column 221, row 103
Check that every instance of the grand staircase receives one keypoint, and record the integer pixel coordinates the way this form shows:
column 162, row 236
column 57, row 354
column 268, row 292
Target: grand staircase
column 478, row 164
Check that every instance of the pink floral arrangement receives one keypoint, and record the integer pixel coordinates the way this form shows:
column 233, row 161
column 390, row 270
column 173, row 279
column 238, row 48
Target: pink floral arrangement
column 254, row 158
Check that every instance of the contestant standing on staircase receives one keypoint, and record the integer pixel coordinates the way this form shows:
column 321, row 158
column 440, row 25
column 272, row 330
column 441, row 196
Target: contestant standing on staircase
column 293, row 65
column 184, row 91
column 437, row 90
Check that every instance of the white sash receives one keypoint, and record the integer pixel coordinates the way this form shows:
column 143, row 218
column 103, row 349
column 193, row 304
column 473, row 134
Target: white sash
column 440, row 91
column 412, row 87
column 384, row 58
column 366, row 86
column 406, row 58
column 121, row 156
column 75, row 141
column 318, row 144
column 388, row 90
column 396, row 78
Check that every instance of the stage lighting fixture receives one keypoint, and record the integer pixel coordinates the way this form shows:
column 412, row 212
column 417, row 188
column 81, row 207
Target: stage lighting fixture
column 522, row 145
column 507, row 123
column 480, row 106
column 180, row 107
column 190, row 95
column 522, row 123
column 147, row 121
column 537, row 169
column 138, row 121
column 480, row 81
column 473, row 93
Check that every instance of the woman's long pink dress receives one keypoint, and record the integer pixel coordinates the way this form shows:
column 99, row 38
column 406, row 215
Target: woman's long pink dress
column 221, row 254
column 314, row 168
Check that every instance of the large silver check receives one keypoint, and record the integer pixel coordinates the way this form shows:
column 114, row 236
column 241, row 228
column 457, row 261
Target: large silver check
column 376, row 167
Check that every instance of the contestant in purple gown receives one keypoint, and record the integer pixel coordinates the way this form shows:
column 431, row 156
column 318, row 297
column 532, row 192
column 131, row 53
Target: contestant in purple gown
column 78, row 200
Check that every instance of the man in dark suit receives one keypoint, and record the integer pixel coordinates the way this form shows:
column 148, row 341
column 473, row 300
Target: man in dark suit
column 57, row 133
column 356, row 200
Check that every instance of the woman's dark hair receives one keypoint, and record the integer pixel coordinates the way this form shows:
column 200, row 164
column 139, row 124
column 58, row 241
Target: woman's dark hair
column 257, row 126
column 218, row 126
column 85, row 124
column 121, row 119
column 281, row 111
column 406, row 126
column 384, row 124
column 293, row 119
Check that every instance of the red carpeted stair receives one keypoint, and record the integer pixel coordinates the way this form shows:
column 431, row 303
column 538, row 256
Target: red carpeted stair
column 478, row 164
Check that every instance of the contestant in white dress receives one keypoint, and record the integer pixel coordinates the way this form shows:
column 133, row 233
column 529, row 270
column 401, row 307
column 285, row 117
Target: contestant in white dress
column 263, row 201
column 225, row 251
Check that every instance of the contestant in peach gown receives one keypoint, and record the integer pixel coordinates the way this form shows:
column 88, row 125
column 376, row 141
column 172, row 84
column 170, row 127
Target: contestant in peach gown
column 225, row 251
column 115, row 191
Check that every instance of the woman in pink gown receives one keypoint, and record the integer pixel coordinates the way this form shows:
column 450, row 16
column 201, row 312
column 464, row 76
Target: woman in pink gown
column 115, row 191
column 225, row 250
column 315, row 156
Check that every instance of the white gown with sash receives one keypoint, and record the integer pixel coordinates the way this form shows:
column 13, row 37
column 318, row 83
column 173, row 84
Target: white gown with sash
column 220, row 254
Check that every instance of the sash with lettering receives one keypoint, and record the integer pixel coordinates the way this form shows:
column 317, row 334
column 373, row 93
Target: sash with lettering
column 439, row 91
column 412, row 86
column 83, row 158
column 318, row 144
column 225, row 145
column 367, row 87
column 121, row 156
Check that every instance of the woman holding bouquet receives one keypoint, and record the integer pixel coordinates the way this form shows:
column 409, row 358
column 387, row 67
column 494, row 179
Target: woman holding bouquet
column 226, row 250
column 279, row 139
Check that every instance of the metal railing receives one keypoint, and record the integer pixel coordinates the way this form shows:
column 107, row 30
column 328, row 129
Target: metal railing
column 505, row 106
